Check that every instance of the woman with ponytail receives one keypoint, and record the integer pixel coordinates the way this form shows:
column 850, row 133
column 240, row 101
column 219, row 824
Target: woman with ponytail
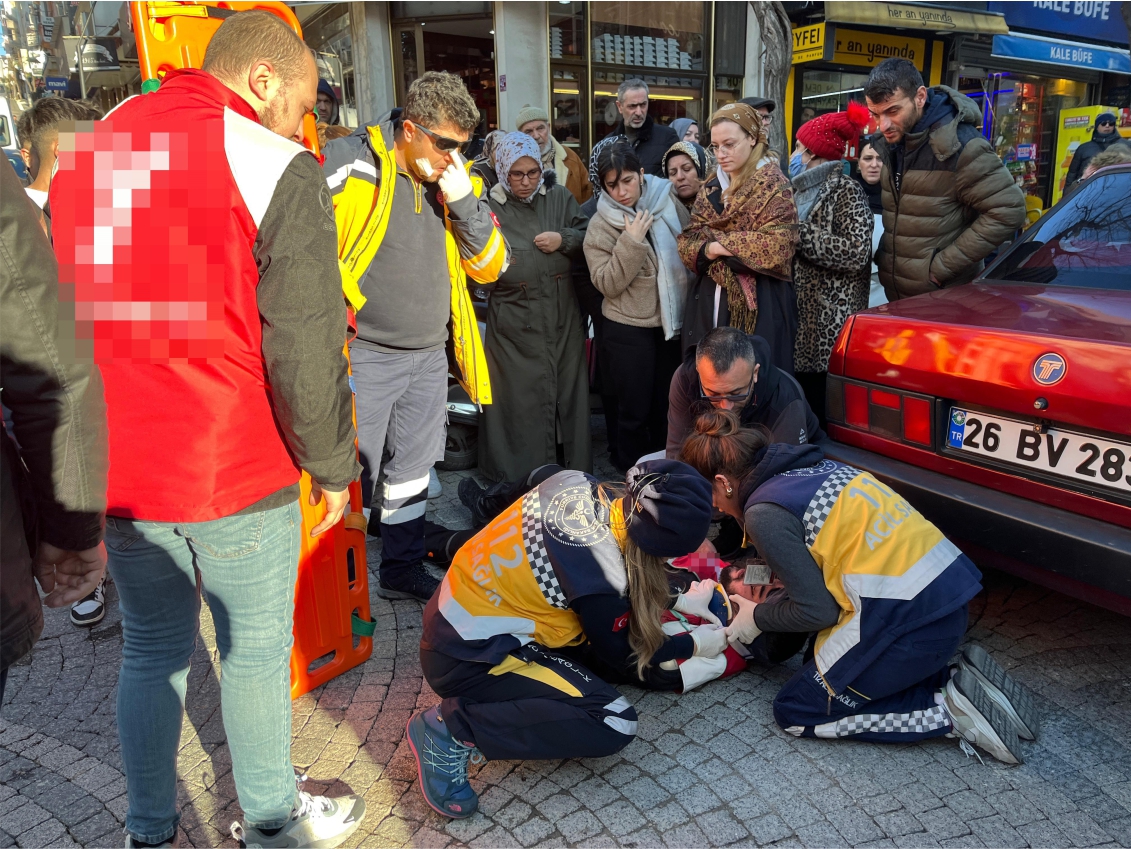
column 885, row 591
column 832, row 266
column 573, row 569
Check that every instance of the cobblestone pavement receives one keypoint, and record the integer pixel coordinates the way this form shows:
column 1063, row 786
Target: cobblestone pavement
column 707, row 769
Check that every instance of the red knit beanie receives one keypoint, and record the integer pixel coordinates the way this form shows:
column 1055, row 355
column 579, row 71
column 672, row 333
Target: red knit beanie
column 826, row 135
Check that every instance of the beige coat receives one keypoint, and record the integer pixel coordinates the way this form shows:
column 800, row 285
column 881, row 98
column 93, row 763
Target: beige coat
column 624, row 271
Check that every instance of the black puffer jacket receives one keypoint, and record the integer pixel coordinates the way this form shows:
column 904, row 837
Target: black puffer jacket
column 53, row 486
column 1086, row 152
column 651, row 143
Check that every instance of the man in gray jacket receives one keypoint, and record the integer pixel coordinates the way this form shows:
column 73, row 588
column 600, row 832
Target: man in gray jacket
column 949, row 201
column 53, row 467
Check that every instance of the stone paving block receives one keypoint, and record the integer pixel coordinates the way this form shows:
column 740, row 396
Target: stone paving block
column 468, row 829
column 569, row 774
column 1043, row 833
column 667, row 816
column 646, row 838
column 24, row 818
column 768, row 829
column 595, row 793
column 558, row 806
column 820, row 834
column 50, row 832
column 1015, row 808
column 87, row 832
column 621, row 817
column 644, row 793
column 995, row 831
column 721, row 828
column 968, row 805
column 855, row 825
column 514, row 814
column 698, row 798
column 579, row 826
column 897, row 824
column 917, row 798
column 675, row 779
column 966, row 841
column 533, row 831
column 942, row 823
column 684, row 836
column 1082, row 830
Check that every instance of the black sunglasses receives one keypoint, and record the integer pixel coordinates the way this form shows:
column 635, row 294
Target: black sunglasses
column 443, row 142
column 731, row 399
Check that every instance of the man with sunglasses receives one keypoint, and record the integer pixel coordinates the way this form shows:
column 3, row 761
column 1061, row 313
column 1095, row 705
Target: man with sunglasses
column 1104, row 136
column 407, row 248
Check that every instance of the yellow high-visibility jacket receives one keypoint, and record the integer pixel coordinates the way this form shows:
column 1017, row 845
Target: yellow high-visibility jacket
column 362, row 205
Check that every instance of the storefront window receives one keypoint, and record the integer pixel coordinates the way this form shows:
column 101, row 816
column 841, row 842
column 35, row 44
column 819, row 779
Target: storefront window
column 567, row 117
column 567, row 30
column 727, row 90
column 660, row 43
column 828, row 91
column 1019, row 118
column 328, row 35
column 455, row 37
column 568, row 76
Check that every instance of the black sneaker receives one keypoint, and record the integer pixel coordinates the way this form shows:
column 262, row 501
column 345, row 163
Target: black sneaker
column 441, row 544
column 414, row 583
column 484, row 504
column 90, row 610
column 469, row 494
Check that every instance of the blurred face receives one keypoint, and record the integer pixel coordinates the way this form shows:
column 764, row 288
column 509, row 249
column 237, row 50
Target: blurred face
column 539, row 131
column 523, row 177
column 808, row 114
column 692, row 134
column 899, row 114
column 767, row 116
column 626, row 188
column 634, row 108
column 1106, row 128
column 681, row 171
column 282, row 107
column 728, row 390
column 731, row 146
column 325, row 107
column 870, row 165
column 421, row 154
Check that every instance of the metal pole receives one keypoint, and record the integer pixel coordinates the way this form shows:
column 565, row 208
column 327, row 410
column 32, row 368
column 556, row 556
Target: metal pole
column 82, row 72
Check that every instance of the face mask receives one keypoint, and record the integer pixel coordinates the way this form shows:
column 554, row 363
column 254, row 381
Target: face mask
column 796, row 166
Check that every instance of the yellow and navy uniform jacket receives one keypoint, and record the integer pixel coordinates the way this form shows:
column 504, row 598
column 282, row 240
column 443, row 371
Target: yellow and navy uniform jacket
column 515, row 581
column 363, row 202
column 890, row 570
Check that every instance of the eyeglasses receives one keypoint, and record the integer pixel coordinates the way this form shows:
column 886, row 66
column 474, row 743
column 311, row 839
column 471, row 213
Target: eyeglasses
column 767, row 119
column 443, row 143
column 1105, row 123
column 525, row 176
column 726, row 147
column 736, row 399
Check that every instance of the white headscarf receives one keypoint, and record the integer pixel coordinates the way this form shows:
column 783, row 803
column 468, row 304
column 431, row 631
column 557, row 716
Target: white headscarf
column 510, row 149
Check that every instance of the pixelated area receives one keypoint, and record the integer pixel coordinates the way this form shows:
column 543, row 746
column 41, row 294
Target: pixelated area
column 145, row 287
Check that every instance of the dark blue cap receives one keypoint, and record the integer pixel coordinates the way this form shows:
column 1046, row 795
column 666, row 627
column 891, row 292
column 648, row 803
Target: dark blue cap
column 667, row 508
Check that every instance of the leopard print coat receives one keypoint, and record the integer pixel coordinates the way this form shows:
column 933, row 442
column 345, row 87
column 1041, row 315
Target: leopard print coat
column 832, row 265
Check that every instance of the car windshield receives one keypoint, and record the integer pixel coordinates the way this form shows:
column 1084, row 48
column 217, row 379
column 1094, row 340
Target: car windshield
column 1085, row 241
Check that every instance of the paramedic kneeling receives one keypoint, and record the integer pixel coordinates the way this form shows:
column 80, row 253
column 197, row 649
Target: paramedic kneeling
column 885, row 590
column 569, row 563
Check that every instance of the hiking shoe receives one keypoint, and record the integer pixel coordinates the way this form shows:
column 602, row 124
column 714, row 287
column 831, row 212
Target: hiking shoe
column 435, row 488
column 1017, row 702
column 90, row 610
column 411, row 583
column 316, row 821
column 977, row 719
column 441, row 761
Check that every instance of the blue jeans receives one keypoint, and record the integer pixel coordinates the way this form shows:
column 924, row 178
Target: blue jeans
column 246, row 566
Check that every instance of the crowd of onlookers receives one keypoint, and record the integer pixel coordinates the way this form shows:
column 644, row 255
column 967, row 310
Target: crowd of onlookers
column 174, row 334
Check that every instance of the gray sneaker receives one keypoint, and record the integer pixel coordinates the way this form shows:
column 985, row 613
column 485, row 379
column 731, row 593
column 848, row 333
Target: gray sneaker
column 977, row 719
column 317, row 822
column 1017, row 702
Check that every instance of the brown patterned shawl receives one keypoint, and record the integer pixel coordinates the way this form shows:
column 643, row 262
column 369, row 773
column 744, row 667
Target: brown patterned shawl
column 759, row 226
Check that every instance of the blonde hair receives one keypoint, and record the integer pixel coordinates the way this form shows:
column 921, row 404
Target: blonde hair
column 757, row 154
column 649, row 593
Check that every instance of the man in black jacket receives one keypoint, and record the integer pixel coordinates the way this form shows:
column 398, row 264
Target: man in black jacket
column 649, row 139
column 1104, row 135
column 53, row 472
column 729, row 370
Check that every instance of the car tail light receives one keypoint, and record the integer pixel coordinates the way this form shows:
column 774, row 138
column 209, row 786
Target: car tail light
column 856, row 405
column 917, row 420
column 881, row 410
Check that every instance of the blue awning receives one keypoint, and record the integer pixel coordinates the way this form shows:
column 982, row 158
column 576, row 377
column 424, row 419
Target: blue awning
column 1058, row 51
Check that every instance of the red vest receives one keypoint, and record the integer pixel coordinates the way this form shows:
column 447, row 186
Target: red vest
column 155, row 211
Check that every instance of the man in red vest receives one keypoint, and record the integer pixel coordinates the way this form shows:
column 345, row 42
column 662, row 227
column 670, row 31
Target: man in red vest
column 197, row 241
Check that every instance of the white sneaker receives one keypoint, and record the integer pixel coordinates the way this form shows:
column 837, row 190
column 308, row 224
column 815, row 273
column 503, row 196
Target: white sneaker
column 977, row 719
column 435, row 488
column 317, row 822
column 90, row 610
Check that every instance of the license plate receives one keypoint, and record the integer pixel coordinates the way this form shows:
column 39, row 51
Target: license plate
column 1073, row 456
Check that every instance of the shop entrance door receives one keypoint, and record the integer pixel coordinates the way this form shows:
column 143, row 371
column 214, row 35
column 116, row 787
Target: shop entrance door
column 455, row 37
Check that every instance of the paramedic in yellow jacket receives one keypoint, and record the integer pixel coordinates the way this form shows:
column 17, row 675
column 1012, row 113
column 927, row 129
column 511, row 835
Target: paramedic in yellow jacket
column 568, row 565
column 885, row 591
column 413, row 226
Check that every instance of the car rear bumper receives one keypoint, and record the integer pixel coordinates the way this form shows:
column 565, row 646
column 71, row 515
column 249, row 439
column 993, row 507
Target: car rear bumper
column 1068, row 552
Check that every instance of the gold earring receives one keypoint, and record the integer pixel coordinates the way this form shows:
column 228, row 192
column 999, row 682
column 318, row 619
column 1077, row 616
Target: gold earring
column 729, row 490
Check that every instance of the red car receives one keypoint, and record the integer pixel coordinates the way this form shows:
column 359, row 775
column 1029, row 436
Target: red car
column 1002, row 409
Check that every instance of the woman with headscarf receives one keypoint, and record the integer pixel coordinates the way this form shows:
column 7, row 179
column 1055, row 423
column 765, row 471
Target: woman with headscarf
column 831, row 267
column 686, row 129
column 484, row 163
column 634, row 261
column 741, row 240
column 686, row 165
column 535, row 342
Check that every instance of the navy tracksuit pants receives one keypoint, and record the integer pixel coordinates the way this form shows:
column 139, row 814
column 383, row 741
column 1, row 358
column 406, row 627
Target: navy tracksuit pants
column 892, row 700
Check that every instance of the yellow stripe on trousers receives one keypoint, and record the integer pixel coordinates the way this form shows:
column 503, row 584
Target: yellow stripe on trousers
column 536, row 672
